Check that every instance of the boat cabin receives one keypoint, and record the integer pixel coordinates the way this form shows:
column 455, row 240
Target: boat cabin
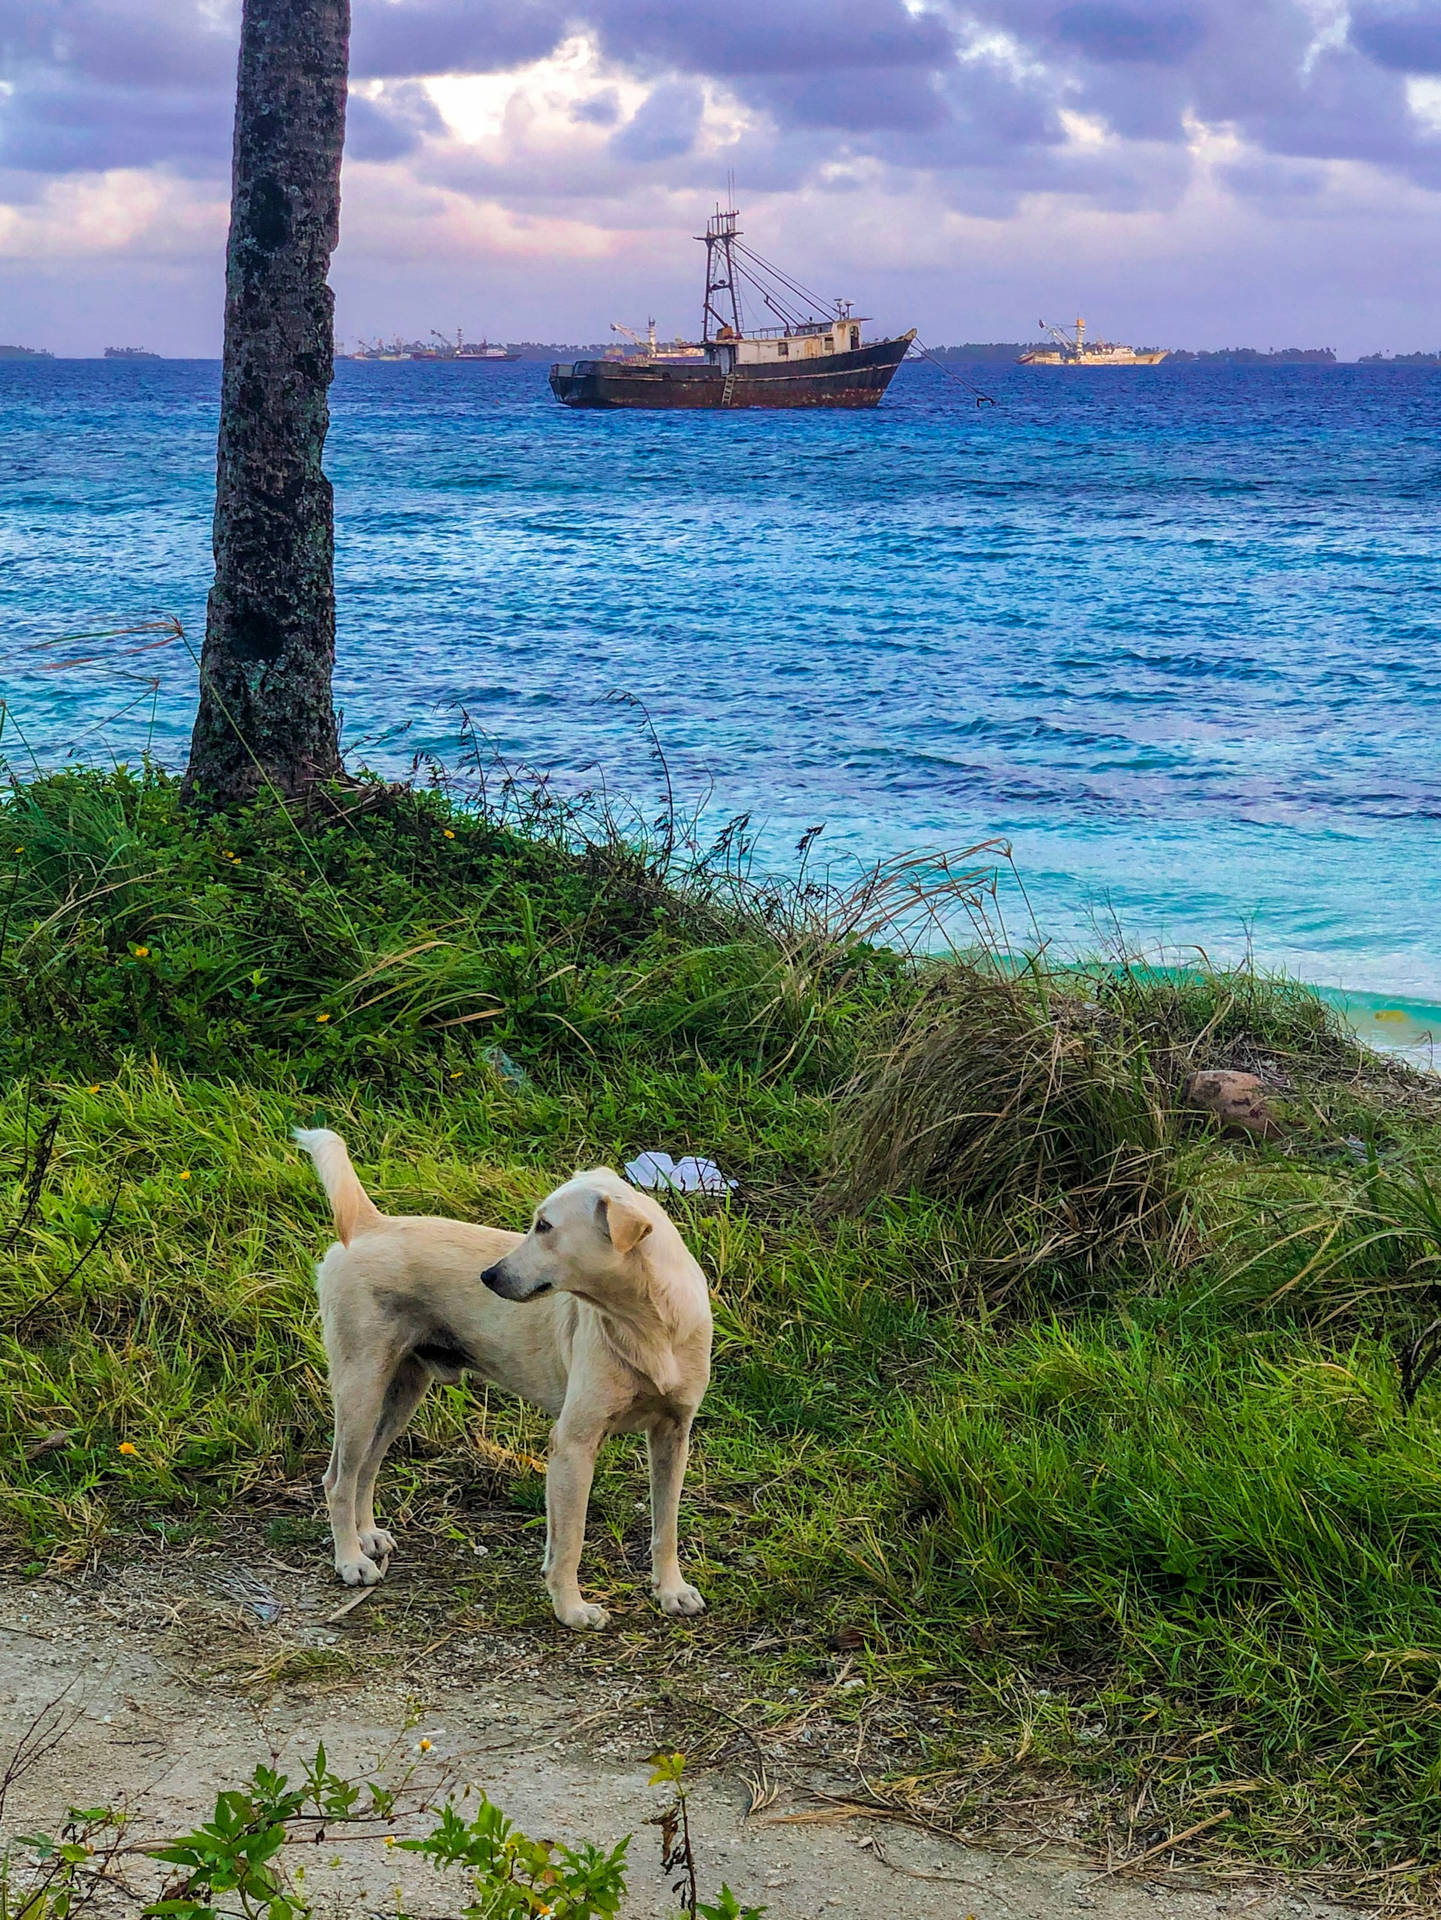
column 803, row 343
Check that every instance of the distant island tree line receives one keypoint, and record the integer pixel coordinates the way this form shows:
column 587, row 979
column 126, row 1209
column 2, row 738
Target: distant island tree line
column 971, row 352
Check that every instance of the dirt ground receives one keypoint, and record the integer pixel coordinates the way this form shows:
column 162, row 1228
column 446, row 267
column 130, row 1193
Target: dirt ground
column 173, row 1675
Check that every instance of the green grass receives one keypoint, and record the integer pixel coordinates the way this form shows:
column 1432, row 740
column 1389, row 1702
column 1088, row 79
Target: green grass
column 1086, row 1416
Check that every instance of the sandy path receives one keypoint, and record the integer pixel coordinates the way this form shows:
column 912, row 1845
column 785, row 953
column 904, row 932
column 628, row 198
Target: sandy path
column 172, row 1686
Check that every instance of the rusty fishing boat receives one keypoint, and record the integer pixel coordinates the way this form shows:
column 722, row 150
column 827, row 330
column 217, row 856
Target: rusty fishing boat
column 816, row 357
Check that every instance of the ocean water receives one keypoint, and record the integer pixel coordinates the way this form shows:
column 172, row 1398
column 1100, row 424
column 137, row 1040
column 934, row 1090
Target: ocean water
column 1172, row 633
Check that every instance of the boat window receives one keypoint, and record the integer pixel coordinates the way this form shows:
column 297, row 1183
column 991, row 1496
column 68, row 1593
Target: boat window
column 855, row 338
column 783, row 349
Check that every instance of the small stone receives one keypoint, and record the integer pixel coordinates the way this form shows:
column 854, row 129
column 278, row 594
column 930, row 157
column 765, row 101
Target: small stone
column 1236, row 1100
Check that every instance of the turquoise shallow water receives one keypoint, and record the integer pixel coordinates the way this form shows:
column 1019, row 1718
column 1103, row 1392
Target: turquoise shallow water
column 1172, row 632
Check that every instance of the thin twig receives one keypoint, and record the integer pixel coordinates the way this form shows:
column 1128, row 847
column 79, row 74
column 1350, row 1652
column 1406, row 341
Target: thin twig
column 1164, row 1846
column 66, row 1278
column 44, row 1147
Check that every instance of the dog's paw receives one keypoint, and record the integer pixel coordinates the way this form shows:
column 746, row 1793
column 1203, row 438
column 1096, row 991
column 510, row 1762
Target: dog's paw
column 378, row 1543
column 680, row 1602
column 360, row 1572
column 582, row 1616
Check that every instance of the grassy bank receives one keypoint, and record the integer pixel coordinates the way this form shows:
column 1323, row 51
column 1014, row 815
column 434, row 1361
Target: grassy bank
column 1088, row 1419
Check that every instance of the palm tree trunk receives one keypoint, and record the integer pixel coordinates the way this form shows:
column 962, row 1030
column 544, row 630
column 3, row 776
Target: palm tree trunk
column 265, row 713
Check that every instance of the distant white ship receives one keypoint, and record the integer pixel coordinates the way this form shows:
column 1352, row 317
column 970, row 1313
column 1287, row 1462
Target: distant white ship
column 1075, row 350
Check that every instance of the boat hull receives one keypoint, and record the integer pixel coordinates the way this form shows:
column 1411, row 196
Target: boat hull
column 855, row 379
column 1091, row 359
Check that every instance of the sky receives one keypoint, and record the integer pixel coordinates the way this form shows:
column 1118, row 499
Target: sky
column 1187, row 173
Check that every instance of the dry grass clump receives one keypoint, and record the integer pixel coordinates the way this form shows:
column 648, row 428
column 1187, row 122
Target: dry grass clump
column 1002, row 1094
column 1050, row 1107
column 1202, row 1016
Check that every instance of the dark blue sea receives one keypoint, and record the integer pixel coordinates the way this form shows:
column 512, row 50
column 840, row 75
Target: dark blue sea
column 1171, row 632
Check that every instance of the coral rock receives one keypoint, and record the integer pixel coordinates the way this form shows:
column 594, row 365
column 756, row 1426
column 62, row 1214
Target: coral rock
column 1237, row 1100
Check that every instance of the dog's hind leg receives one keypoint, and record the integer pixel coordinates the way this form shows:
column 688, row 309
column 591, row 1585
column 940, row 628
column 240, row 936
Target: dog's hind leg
column 358, row 1388
column 404, row 1394
column 668, row 1443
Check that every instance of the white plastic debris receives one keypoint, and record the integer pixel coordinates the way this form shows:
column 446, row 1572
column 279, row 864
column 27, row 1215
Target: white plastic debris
column 689, row 1175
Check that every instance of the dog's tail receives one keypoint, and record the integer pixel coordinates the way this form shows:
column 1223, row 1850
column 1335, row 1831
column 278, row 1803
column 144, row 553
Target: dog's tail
column 355, row 1212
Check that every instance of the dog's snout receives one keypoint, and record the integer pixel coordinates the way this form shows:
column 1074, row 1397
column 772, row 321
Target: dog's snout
column 505, row 1286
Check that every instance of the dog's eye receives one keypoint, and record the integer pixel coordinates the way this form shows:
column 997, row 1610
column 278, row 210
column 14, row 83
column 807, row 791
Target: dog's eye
column 542, row 1226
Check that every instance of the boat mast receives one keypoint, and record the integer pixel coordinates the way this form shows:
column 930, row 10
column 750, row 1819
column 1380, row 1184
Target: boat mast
column 721, row 290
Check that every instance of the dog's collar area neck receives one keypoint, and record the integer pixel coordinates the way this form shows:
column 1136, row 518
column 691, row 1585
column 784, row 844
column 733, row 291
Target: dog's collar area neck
column 642, row 1337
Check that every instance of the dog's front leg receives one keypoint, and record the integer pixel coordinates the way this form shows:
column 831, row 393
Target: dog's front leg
column 569, row 1472
column 668, row 1443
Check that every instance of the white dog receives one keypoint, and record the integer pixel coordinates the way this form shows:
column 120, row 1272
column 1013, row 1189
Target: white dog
column 598, row 1314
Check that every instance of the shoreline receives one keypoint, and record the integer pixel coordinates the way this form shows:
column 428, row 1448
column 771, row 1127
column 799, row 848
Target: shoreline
column 1390, row 1023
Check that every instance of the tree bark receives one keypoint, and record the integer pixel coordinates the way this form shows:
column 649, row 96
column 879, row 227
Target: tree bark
column 265, row 716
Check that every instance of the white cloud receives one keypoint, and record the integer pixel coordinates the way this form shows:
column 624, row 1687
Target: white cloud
column 1423, row 97
column 125, row 213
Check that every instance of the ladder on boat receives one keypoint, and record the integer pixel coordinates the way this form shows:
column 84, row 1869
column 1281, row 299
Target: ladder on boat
column 728, row 389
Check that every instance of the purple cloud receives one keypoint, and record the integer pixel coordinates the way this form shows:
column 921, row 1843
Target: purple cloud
column 96, row 84
column 664, row 127
column 392, row 125
column 754, row 37
column 1407, row 39
column 62, row 123
column 1150, row 36
column 391, row 39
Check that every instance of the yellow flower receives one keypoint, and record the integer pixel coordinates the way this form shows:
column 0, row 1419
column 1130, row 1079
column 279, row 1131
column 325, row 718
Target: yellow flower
column 447, row 832
column 92, row 1089
column 425, row 1746
column 457, row 1074
column 125, row 1447
column 321, row 1018
column 20, row 849
column 141, row 953
column 185, row 1173
column 390, row 1839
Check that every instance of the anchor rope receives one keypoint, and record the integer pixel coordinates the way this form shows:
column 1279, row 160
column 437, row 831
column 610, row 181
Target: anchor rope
column 982, row 399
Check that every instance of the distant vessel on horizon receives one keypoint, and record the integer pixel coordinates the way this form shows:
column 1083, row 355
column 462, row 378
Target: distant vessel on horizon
column 443, row 348
column 131, row 353
column 1075, row 350
column 815, row 358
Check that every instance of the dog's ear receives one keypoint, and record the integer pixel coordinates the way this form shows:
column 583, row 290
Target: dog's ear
column 621, row 1221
